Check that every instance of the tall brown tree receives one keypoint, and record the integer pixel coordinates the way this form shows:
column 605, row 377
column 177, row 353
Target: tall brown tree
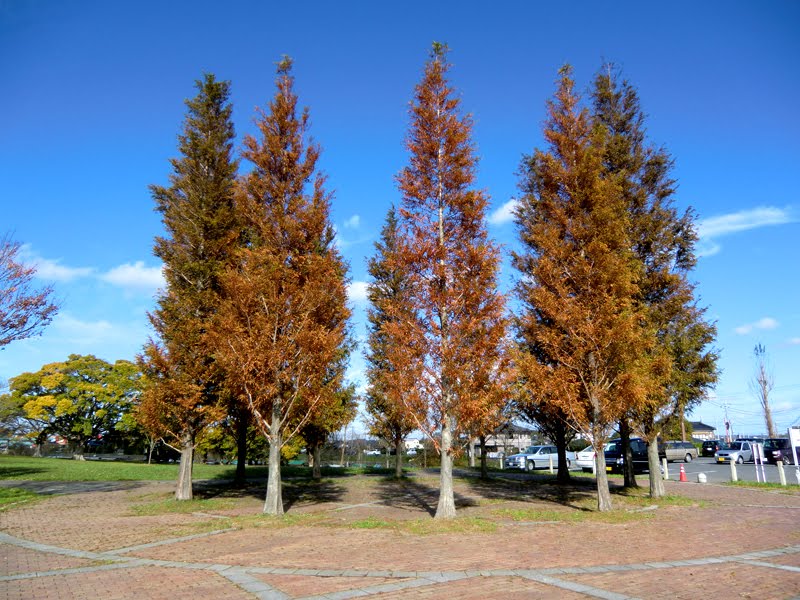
column 24, row 310
column 579, row 329
column 282, row 329
column 184, row 386
column 450, row 349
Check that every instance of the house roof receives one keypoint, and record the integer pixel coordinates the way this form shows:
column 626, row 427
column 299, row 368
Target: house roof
column 700, row 426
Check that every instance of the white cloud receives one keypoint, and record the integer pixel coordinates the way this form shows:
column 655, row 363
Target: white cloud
column 357, row 291
column 764, row 323
column 794, row 341
column 135, row 277
column 504, row 214
column 81, row 332
column 712, row 228
column 353, row 222
column 50, row 269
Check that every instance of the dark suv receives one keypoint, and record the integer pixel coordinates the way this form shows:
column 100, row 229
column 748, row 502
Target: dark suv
column 711, row 446
column 776, row 449
column 615, row 460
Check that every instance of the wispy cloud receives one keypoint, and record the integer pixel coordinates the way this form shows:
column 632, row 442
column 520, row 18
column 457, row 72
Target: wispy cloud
column 357, row 291
column 504, row 214
column 794, row 341
column 135, row 277
column 82, row 332
column 50, row 269
column 761, row 324
column 712, row 228
column 353, row 222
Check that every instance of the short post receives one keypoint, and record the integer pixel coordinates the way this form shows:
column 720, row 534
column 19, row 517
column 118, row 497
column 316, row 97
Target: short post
column 733, row 471
column 665, row 468
column 781, row 473
column 551, row 465
column 594, row 466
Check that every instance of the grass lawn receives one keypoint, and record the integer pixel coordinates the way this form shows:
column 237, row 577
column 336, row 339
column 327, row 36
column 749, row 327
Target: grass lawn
column 61, row 469
column 64, row 469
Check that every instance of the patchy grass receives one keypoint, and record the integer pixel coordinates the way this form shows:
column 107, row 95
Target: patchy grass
column 789, row 488
column 372, row 523
column 10, row 497
column 273, row 522
column 461, row 525
column 172, row 506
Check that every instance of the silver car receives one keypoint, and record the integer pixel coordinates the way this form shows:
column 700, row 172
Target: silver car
column 737, row 452
column 534, row 457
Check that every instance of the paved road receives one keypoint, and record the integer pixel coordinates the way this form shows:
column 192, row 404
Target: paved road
column 721, row 472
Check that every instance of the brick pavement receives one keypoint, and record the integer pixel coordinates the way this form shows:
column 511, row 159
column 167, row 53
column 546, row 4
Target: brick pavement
column 738, row 543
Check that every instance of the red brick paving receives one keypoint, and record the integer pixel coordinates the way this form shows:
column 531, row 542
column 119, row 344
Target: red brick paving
column 729, row 521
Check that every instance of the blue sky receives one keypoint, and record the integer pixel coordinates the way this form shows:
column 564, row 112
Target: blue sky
column 93, row 97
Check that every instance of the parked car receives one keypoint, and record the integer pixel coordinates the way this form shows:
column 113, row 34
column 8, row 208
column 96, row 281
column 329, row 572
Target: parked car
column 534, row 457
column 374, row 452
column 738, row 451
column 776, row 449
column 710, row 447
column 615, row 460
column 585, row 459
column 674, row 450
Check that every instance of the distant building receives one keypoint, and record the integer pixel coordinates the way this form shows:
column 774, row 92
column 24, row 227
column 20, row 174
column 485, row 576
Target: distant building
column 701, row 431
column 506, row 440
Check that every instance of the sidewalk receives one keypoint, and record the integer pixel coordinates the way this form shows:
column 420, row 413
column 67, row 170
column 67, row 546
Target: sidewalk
column 733, row 543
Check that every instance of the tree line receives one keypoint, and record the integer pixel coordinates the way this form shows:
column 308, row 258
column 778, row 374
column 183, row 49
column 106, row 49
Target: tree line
column 253, row 324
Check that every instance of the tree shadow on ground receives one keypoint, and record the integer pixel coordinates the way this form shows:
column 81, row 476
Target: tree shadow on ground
column 17, row 472
column 413, row 495
column 295, row 491
column 535, row 488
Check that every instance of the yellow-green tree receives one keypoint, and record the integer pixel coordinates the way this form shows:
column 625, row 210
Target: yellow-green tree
column 81, row 398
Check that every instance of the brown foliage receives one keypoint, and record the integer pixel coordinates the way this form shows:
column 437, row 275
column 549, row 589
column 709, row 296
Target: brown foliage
column 281, row 332
column 448, row 349
column 582, row 332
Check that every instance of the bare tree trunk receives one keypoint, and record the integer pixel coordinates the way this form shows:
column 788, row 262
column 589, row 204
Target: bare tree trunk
column 683, row 425
column 316, row 459
column 628, row 468
column 274, row 502
column 344, row 445
column 242, row 424
column 446, row 508
column 151, row 445
column 184, row 488
column 398, row 452
column 603, row 493
column 561, row 449
column 484, row 467
column 654, row 464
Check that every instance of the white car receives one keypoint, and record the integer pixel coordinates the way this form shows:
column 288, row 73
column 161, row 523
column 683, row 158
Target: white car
column 585, row 459
column 534, row 457
column 737, row 452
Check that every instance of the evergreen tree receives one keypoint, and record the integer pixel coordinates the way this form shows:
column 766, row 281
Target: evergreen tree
column 451, row 352
column 681, row 363
column 389, row 296
column 184, row 385
column 281, row 332
column 579, row 330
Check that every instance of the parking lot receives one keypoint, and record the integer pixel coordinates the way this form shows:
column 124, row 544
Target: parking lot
column 721, row 472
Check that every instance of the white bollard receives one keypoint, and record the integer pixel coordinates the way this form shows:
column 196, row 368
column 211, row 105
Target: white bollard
column 701, row 478
column 665, row 468
column 781, row 473
column 733, row 471
column 551, row 465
